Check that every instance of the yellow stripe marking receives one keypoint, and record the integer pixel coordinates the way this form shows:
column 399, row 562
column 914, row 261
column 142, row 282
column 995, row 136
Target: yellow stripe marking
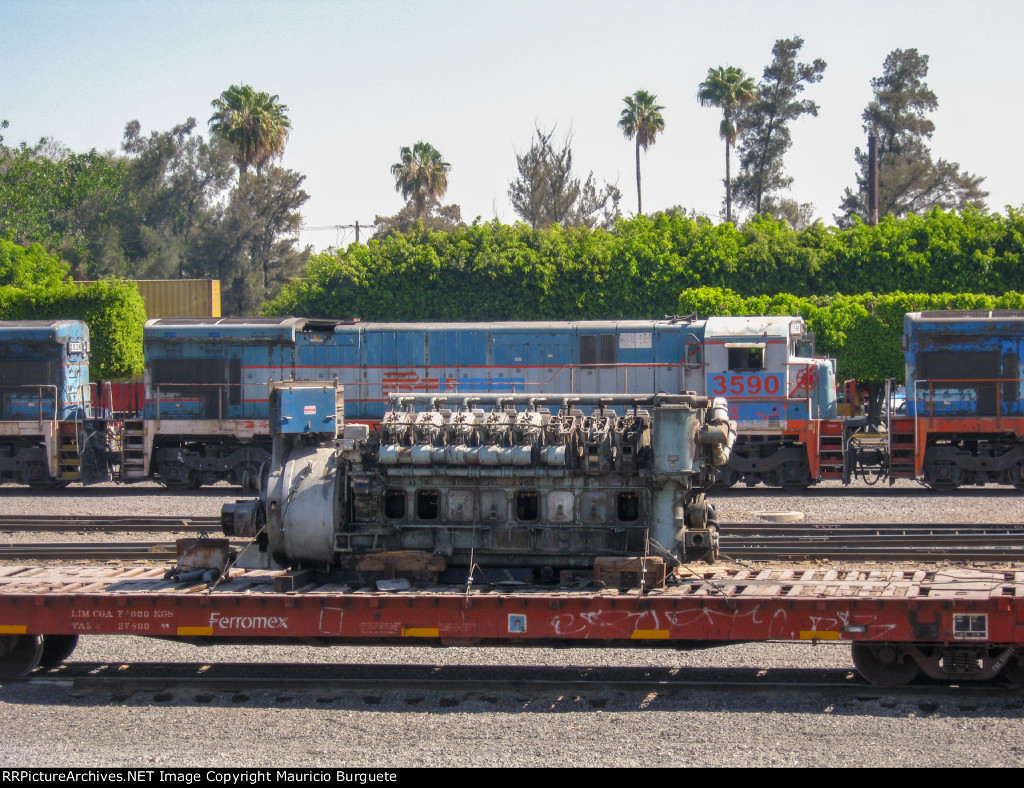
column 650, row 634
column 815, row 634
column 193, row 631
column 421, row 632
column 13, row 629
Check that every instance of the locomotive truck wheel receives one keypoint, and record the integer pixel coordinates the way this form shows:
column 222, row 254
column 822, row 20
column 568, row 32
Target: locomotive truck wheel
column 1013, row 672
column 19, row 655
column 245, row 474
column 175, row 476
column 884, row 665
column 794, row 476
column 49, row 485
column 942, row 475
column 56, row 649
column 38, row 477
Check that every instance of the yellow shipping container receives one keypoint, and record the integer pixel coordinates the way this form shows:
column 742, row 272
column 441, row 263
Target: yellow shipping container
column 181, row 297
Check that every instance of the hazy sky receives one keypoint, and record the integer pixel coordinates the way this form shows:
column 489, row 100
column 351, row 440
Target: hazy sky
column 362, row 79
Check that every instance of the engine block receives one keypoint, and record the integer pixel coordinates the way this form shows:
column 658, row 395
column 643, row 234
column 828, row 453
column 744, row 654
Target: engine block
column 543, row 483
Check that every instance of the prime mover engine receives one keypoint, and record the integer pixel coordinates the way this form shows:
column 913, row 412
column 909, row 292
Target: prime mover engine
column 539, row 483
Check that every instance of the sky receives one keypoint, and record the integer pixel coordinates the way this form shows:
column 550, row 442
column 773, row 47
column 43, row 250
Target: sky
column 473, row 78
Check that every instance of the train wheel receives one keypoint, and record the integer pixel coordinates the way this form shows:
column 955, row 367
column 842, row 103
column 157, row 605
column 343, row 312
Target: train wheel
column 56, row 649
column 175, row 476
column 1014, row 673
column 19, row 655
column 1016, row 476
column 38, row 477
column 942, row 475
column 794, row 476
column 49, row 485
column 884, row 664
column 726, row 478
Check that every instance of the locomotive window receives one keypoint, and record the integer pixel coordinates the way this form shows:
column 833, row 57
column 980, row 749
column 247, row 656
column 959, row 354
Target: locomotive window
column 746, row 358
column 1011, row 377
column 394, row 504
column 30, row 373
column 427, row 504
column 629, row 507
column 527, row 506
column 189, row 370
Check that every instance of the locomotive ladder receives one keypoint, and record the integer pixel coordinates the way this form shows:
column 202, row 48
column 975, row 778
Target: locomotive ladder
column 67, row 455
column 133, row 451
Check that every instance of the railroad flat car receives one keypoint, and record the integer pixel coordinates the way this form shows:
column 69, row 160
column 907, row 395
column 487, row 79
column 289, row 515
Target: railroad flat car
column 954, row 625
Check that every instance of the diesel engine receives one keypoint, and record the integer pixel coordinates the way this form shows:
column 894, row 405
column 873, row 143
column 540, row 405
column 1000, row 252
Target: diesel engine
column 542, row 483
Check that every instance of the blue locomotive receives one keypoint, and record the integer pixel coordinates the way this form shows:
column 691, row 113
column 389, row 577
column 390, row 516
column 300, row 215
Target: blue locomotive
column 46, row 401
column 208, row 379
column 206, row 416
column 207, row 383
column 965, row 414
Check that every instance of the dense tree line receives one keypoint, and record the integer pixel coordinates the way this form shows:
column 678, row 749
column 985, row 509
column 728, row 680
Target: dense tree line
column 36, row 285
column 169, row 205
column 640, row 268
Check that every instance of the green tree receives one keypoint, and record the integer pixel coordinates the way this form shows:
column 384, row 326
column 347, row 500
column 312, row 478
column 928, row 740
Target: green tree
column 727, row 88
column 765, row 122
column 909, row 181
column 442, row 217
column 251, row 246
column 174, row 185
column 22, row 266
column 641, row 120
column 58, row 198
column 547, row 190
column 421, row 175
column 254, row 123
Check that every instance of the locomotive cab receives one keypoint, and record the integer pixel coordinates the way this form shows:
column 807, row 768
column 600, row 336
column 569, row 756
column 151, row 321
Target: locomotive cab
column 777, row 389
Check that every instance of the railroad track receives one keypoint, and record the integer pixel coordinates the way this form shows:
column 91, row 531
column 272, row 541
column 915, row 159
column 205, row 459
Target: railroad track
column 985, row 542
column 130, row 524
column 995, row 542
column 171, row 680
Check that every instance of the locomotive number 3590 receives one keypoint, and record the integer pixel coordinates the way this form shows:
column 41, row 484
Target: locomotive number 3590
column 746, row 384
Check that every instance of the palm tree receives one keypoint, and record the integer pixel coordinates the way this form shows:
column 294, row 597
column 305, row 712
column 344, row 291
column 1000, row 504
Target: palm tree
column 421, row 176
column 641, row 119
column 254, row 123
column 728, row 88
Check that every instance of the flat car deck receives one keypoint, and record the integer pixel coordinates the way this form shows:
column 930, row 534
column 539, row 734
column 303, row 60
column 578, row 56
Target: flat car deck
column 874, row 605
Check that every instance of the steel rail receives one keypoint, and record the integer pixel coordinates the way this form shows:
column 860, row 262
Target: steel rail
column 320, row 679
column 45, row 523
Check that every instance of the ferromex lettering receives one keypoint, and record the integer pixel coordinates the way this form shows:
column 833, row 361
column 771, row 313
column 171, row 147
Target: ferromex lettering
column 220, row 621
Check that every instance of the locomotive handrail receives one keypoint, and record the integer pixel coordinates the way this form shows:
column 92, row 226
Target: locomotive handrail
column 932, row 386
column 160, row 390
column 39, row 398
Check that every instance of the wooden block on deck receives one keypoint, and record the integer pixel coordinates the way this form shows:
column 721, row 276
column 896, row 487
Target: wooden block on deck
column 416, row 566
column 629, row 572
